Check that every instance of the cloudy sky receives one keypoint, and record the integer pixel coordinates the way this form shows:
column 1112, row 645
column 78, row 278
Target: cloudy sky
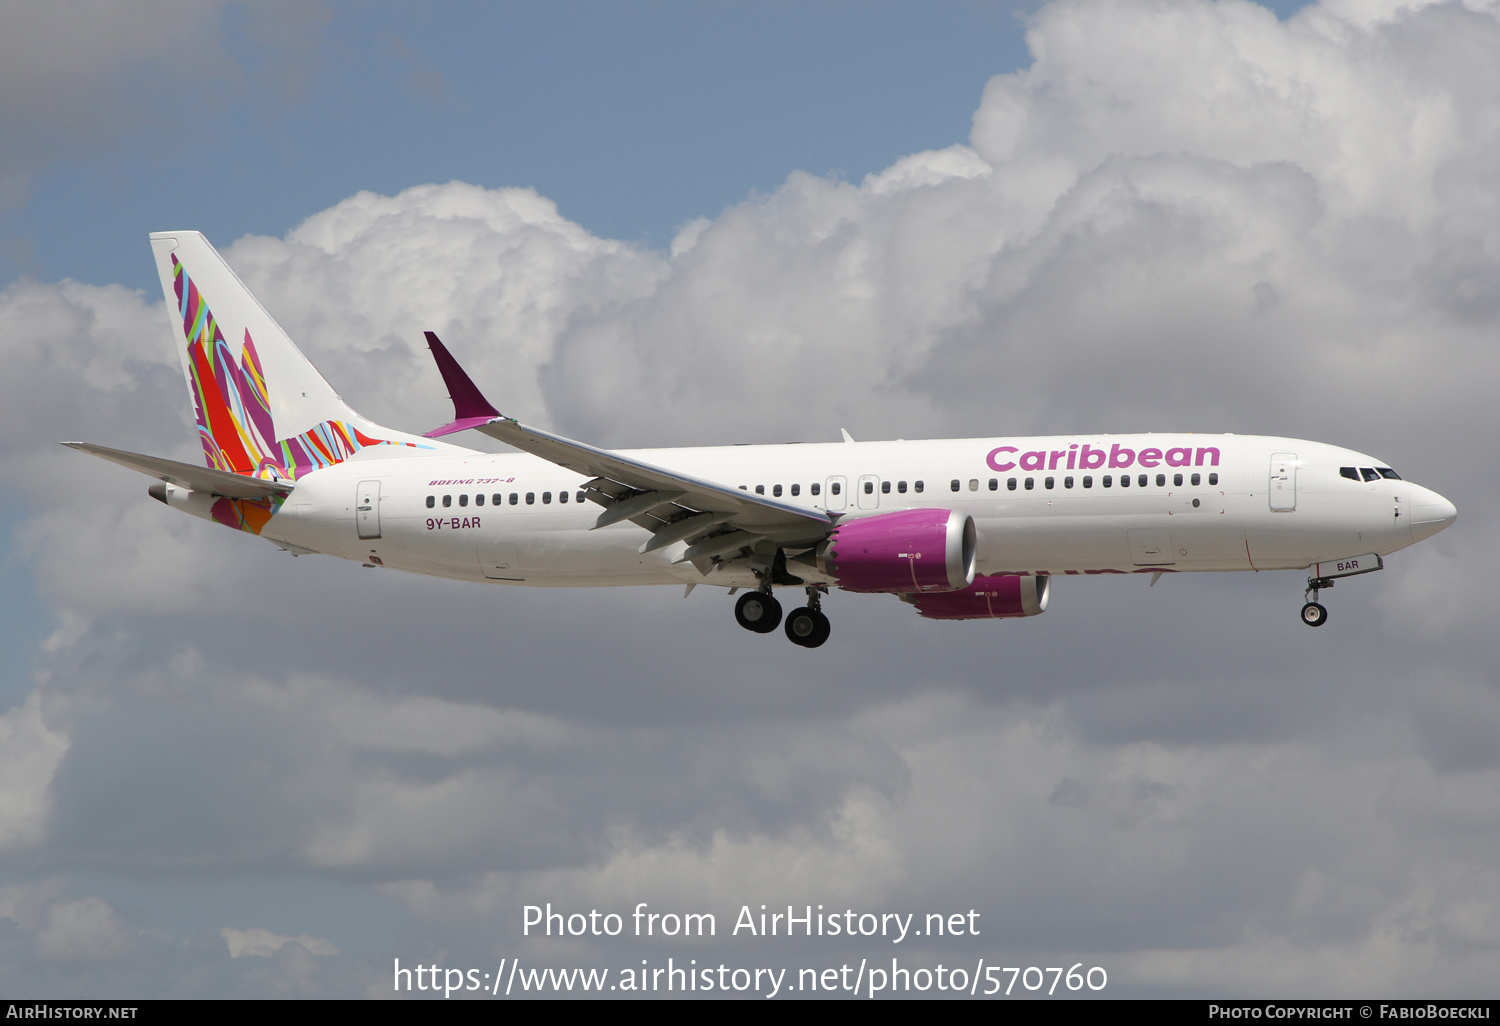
column 228, row 772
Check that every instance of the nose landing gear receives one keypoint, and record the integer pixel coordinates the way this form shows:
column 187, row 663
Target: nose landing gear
column 1313, row 613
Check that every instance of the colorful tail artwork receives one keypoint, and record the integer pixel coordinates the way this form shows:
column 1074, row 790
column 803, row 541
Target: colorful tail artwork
column 233, row 398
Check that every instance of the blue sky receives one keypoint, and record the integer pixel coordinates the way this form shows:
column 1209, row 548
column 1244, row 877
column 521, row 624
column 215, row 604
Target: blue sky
column 635, row 118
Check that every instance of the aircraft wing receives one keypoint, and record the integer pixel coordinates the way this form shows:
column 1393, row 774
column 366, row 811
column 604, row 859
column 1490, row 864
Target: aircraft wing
column 186, row 475
column 661, row 500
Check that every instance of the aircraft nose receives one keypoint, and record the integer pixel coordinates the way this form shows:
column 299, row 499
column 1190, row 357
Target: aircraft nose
column 1430, row 512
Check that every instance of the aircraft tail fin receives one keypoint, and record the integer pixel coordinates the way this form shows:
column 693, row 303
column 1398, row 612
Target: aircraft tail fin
column 263, row 409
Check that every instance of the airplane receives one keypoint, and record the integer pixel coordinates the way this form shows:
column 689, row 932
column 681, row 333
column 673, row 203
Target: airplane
column 959, row 528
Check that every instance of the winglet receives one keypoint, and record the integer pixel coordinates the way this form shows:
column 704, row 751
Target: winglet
column 470, row 408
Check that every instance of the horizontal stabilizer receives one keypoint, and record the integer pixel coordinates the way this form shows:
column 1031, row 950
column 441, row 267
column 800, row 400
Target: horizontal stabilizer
column 187, row 475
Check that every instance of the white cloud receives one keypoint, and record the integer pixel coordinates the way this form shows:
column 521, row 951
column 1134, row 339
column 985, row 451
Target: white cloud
column 260, row 942
column 82, row 930
column 29, row 755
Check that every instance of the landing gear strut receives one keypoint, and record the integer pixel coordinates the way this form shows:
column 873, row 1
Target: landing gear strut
column 808, row 626
column 1313, row 613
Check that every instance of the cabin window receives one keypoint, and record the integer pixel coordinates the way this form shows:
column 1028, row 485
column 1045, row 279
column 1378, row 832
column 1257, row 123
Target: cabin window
column 531, row 498
column 1030, row 483
column 447, row 501
column 760, row 489
column 562, row 496
column 917, row 486
column 1388, row 474
column 1088, row 482
column 776, row 491
column 814, row 488
column 431, row 501
column 953, row 485
column 1161, row 480
column 1143, row 480
column 973, row 484
column 1049, row 482
column 514, row 498
column 1176, row 480
column 901, row 487
column 1124, row 480
column 869, row 487
column 1197, row 479
column 994, row 484
column 796, row 489
column 463, row 500
column 1213, row 479
column 885, row 488
column 578, row 497
column 1108, row 480
column 1369, row 473
column 1067, row 482
column 1010, row 484
column 835, row 488
column 547, row 498
column 479, row 500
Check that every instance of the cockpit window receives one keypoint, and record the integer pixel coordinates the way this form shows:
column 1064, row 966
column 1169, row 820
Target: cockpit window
column 1349, row 472
column 1369, row 473
column 1388, row 474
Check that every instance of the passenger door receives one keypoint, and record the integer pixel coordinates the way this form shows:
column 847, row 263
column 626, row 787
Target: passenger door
column 367, row 509
column 1283, row 490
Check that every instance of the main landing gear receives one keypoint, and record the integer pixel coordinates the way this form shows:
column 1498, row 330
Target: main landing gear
column 806, row 626
column 758, row 611
column 1313, row 613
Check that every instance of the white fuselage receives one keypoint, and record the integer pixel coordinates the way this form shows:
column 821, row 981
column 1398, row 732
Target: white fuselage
column 1051, row 505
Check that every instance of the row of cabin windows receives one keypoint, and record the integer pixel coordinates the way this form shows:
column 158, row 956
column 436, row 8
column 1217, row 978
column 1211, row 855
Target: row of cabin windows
column 1369, row 473
column 1107, row 481
column 956, row 484
column 835, row 488
column 796, row 489
column 498, row 499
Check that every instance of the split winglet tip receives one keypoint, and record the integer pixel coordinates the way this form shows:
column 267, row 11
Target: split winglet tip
column 468, row 402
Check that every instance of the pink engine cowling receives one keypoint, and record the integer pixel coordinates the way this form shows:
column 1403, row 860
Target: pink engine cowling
column 909, row 550
column 988, row 598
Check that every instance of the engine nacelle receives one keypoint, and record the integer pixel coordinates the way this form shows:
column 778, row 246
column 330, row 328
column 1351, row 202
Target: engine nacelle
column 988, row 598
column 909, row 550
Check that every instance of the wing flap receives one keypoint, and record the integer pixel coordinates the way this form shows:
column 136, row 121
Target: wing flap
column 186, row 475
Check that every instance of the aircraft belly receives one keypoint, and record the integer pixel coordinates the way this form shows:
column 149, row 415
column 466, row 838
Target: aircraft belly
column 583, row 558
column 1205, row 541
